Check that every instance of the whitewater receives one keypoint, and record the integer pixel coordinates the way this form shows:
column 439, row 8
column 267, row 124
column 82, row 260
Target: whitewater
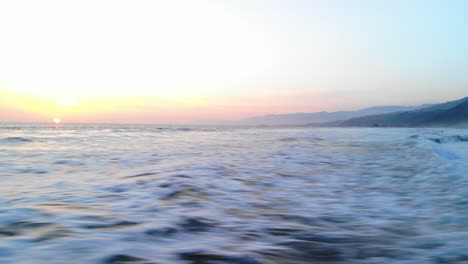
column 102, row 193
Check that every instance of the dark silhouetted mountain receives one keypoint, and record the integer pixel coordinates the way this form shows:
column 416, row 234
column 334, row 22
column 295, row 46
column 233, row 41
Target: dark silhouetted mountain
column 453, row 113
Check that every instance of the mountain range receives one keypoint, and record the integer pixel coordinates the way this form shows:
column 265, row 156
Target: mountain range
column 449, row 114
column 452, row 113
column 306, row 118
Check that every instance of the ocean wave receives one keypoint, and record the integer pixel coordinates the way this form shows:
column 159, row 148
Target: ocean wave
column 32, row 171
column 450, row 139
column 68, row 162
column 304, row 138
column 17, row 139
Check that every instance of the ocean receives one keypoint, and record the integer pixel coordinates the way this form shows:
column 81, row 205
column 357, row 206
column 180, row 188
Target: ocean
column 101, row 193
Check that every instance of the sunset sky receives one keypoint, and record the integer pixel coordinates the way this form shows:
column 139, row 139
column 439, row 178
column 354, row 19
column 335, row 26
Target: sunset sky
column 178, row 61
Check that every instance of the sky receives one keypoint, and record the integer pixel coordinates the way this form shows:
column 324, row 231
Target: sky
column 184, row 60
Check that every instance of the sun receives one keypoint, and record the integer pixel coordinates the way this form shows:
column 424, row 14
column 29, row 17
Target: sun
column 56, row 120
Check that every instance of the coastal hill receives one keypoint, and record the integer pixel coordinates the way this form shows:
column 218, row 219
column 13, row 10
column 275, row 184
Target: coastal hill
column 453, row 113
column 305, row 118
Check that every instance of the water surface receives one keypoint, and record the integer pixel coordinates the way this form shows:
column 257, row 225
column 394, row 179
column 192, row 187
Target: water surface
column 181, row 194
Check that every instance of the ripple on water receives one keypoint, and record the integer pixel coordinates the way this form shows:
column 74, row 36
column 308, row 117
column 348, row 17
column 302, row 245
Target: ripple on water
column 200, row 257
column 197, row 224
column 115, row 225
column 126, row 259
column 36, row 231
column 69, row 162
column 18, row 139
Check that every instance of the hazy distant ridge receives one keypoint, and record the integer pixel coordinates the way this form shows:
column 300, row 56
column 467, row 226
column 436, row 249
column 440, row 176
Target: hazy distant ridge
column 453, row 113
column 306, row 118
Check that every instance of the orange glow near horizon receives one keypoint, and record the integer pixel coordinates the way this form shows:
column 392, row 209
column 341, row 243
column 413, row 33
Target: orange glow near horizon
column 143, row 109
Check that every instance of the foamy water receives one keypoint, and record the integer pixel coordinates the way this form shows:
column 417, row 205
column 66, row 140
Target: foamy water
column 170, row 194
